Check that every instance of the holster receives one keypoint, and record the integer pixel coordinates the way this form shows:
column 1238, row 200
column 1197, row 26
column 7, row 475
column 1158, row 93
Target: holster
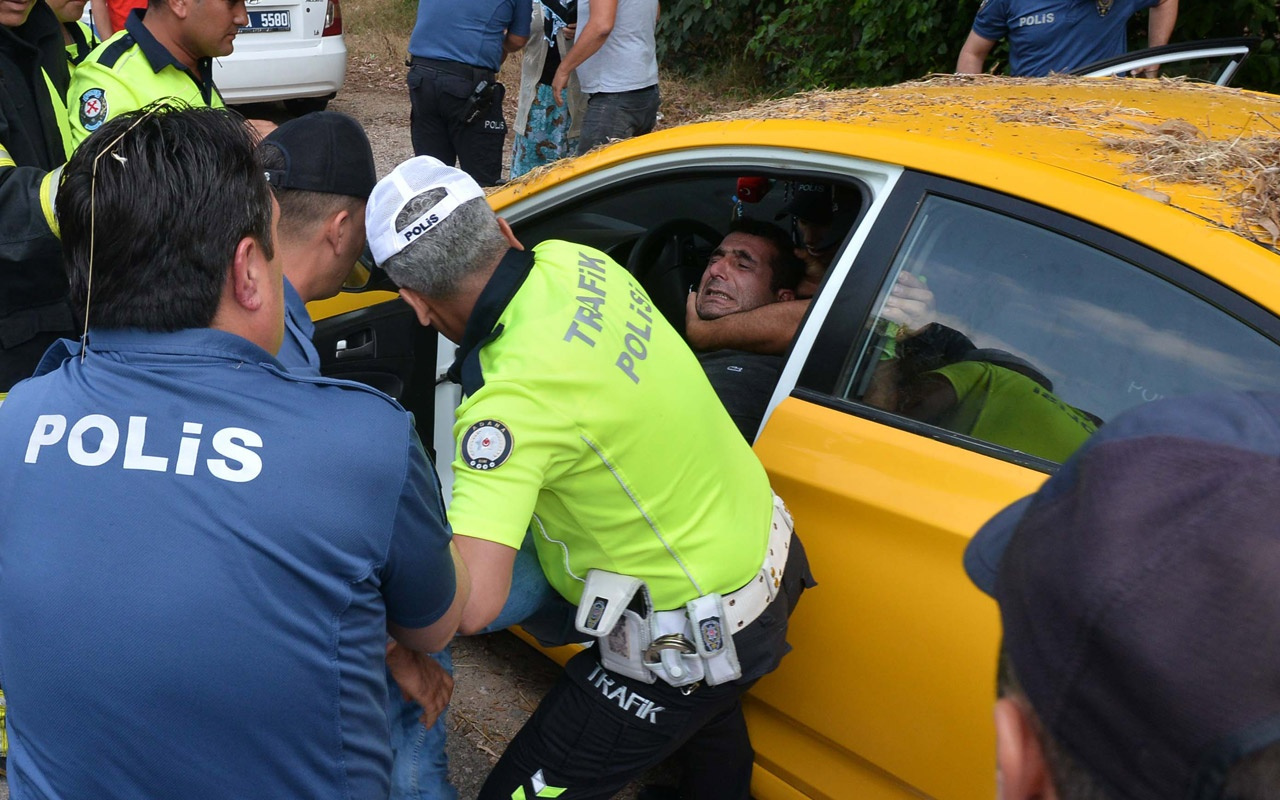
column 624, row 633
column 682, row 647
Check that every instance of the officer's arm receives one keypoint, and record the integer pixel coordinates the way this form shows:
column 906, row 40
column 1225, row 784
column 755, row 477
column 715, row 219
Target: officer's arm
column 513, row 43
column 435, row 636
column 1160, row 25
column 490, row 565
column 767, row 329
column 517, row 35
column 29, row 229
column 974, row 54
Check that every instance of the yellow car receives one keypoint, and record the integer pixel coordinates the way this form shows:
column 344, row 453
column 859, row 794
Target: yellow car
column 1109, row 241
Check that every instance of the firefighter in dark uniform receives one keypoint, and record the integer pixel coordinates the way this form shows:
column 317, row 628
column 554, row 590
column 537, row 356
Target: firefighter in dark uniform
column 33, row 289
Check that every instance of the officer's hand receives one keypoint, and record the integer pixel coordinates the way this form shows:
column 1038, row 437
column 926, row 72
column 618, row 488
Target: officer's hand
column 910, row 304
column 697, row 331
column 421, row 679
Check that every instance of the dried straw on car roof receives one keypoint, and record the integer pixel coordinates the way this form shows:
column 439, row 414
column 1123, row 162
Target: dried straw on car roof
column 1169, row 151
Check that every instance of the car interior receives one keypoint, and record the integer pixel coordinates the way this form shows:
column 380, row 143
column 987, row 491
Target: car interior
column 663, row 230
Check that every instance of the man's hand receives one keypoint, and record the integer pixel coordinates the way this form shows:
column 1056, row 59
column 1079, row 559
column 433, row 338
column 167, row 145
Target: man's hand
column 765, row 329
column 558, row 84
column 910, row 304
column 693, row 323
column 421, row 679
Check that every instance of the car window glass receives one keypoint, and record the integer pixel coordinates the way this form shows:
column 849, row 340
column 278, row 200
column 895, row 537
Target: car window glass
column 1036, row 338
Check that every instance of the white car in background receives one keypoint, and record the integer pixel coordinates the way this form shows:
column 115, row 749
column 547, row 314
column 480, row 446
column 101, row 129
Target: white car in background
column 291, row 50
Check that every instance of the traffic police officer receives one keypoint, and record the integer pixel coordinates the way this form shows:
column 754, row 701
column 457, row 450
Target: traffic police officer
column 586, row 413
column 165, row 50
column 455, row 52
column 33, row 308
column 192, row 577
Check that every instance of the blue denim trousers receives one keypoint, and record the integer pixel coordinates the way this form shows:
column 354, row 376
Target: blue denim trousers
column 420, row 764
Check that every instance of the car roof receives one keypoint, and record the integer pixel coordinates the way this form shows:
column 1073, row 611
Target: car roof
column 1201, row 148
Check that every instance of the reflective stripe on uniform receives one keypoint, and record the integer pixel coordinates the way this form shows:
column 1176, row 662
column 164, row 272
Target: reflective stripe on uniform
column 60, row 113
column 48, row 189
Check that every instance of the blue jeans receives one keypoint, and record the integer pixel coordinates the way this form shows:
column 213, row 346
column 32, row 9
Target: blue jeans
column 420, row 765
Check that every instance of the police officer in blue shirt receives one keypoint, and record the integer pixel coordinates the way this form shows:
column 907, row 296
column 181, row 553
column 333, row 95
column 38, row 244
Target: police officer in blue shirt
column 455, row 52
column 321, row 168
column 1059, row 35
column 210, row 552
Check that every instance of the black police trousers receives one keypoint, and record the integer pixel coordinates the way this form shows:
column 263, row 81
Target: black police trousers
column 438, row 94
column 596, row 731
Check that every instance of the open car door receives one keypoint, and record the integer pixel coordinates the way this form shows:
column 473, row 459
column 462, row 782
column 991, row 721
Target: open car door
column 1209, row 60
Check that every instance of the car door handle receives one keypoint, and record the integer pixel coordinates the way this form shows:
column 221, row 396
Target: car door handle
column 356, row 345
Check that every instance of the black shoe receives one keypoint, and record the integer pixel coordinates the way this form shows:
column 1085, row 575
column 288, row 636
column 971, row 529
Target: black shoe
column 653, row 792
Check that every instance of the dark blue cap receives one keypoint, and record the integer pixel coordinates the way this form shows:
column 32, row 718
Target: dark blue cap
column 1139, row 590
column 323, row 152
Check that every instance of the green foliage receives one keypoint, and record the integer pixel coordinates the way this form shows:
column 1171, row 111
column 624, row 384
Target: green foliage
column 1237, row 18
column 864, row 42
column 800, row 44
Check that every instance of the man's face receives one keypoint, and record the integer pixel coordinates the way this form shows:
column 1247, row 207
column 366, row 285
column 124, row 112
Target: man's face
column 274, row 293
column 737, row 277
column 14, row 12
column 67, row 10
column 352, row 247
column 211, row 26
column 812, row 235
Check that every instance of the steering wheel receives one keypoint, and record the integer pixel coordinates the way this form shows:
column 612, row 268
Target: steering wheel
column 667, row 260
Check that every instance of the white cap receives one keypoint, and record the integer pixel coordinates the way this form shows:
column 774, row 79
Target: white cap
column 412, row 178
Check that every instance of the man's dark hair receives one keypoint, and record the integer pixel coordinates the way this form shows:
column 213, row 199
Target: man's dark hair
column 156, row 229
column 787, row 268
column 299, row 208
column 1253, row 777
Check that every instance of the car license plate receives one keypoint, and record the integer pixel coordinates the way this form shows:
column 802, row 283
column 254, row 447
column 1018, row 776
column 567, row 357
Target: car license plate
column 266, row 21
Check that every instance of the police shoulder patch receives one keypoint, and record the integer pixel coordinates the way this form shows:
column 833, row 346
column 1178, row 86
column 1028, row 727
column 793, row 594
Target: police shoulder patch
column 487, row 445
column 93, row 109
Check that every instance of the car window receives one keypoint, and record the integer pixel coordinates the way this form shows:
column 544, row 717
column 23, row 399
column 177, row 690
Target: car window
column 1036, row 338
column 664, row 228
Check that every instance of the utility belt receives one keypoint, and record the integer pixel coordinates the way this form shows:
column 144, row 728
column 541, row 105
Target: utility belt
column 473, row 74
column 683, row 646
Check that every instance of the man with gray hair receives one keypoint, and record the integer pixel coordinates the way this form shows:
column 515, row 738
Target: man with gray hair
column 580, row 406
